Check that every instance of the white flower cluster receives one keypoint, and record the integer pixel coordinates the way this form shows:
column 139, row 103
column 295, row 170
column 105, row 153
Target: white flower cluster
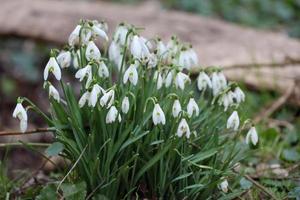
column 166, row 66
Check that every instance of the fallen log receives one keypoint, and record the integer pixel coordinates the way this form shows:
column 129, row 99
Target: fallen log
column 218, row 43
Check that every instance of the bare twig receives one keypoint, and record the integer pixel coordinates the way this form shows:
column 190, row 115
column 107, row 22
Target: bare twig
column 33, row 131
column 261, row 187
column 267, row 112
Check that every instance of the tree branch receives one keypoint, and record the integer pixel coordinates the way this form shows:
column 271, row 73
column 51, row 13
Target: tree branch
column 33, row 131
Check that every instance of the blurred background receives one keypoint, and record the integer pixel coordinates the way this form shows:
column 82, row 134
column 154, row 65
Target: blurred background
column 257, row 42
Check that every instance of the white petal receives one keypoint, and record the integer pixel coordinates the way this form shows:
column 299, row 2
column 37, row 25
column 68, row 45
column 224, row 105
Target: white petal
column 53, row 67
column 103, row 70
column 84, row 99
column 64, row 59
column 23, row 126
column 92, row 52
column 100, row 32
column 74, row 36
column 233, row 121
column 54, row 93
column 125, row 105
column 176, row 109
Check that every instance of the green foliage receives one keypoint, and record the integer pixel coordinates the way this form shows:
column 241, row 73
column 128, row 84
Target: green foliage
column 264, row 14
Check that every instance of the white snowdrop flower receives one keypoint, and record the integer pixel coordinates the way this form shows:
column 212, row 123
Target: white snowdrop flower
column 131, row 74
column 92, row 52
column 85, row 72
column 203, row 81
column 21, row 114
column 152, row 61
column 76, row 58
column 99, row 32
column 161, row 49
column 112, row 115
column 222, row 79
column 172, row 45
column 120, row 34
column 125, row 105
column 84, row 99
column 95, row 93
column 64, row 59
column 158, row 115
column 54, row 93
column 252, row 135
column 193, row 57
column 239, row 95
column 114, row 53
column 233, row 121
column 216, row 86
column 119, row 117
column 146, row 42
column 184, row 60
column 136, row 48
column 183, row 129
column 192, row 107
column 181, row 79
column 74, row 36
column 107, row 99
column 159, row 79
column 85, row 35
column 53, row 67
column 226, row 100
column 224, row 186
column 176, row 109
column 103, row 70
column 168, row 79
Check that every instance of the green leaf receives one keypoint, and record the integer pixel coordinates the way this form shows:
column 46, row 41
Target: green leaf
column 245, row 184
column 291, row 155
column 100, row 197
column 295, row 193
column 47, row 193
column 74, row 191
column 132, row 140
column 203, row 155
column 54, row 149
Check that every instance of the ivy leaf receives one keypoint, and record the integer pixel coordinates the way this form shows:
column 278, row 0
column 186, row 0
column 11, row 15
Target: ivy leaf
column 54, row 149
column 74, row 191
column 47, row 193
column 245, row 184
column 291, row 155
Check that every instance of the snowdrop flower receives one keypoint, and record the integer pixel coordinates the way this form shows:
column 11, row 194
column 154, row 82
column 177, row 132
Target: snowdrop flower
column 131, row 74
column 183, row 129
column 158, row 115
column 138, row 48
column 53, row 67
column 103, row 70
column 84, row 98
column 233, row 121
column 64, row 59
column 226, row 100
column 85, row 35
column 219, row 82
column 120, row 34
column 203, row 81
column 192, row 107
column 107, row 98
column 161, row 49
column 158, row 78
column 224, row 186
column 176, row 109
column 85, row 72
column 54, row 93
column 114, row 53
column 172, row 45
column 74, row 36
column 76, row 58
column 193, row 57
column 99, row 32
column 21, row 114
column 95, row 93
column 92, row 52
column 112, row 115
column 180, row 80
column 152, row 61
column 125, row 105
column 252, row 135
column 168, row 80
column 239, row 95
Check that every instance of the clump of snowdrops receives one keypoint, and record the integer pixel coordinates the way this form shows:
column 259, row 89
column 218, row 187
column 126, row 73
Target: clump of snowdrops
column 140, row 126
